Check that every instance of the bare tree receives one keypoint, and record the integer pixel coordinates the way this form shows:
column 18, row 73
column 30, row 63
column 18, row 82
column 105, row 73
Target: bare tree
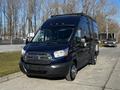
column 69, row 6
column 12, row 16
column 1, row 28
column 93, row 7
column 37, row 11
column 30, row 14
column 34, row 7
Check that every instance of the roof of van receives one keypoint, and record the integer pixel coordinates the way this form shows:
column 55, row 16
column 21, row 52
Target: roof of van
column 62, row 21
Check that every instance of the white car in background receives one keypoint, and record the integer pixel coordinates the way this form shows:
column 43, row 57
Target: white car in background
column 29, row 37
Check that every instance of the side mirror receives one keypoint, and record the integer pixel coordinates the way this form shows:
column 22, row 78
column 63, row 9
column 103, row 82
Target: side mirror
column 83, row 42
column 28, row 41
column 78, row 36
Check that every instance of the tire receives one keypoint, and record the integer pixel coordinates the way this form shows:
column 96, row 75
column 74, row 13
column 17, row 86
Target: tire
column 97, row 49
column 93, row 55
column 93, row 59
column 29, row 75
column 71, row 73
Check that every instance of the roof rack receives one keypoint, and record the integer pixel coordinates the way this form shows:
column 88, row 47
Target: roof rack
column 71, row 14
column 74, row 14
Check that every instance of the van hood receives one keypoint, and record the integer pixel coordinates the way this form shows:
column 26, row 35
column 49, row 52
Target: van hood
column 38, row 47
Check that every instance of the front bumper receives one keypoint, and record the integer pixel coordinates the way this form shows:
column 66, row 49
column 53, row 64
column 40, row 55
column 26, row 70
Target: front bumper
column 110, row 45
column 56, row 70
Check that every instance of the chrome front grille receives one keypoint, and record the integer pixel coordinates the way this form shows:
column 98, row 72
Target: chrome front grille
column 38, row 58
column 109, row 42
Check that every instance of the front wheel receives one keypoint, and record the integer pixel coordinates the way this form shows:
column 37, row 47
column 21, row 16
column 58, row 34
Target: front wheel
column 29, row 75
column 72, row 73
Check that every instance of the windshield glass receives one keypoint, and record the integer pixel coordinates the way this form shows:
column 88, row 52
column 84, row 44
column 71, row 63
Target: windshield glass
column 53, row 35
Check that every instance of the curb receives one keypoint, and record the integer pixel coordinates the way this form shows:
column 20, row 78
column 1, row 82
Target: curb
column 10, row 77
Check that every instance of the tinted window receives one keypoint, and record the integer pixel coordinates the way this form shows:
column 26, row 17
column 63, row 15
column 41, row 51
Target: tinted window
column 91, row 27
column 83, row 25
column 78, row 36
column 95, row 30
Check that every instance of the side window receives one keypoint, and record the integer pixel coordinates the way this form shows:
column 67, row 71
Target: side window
column 78, row 36
column 91, row 27
column 83, row 25
column 95, row 30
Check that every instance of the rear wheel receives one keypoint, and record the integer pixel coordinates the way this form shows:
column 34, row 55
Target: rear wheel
column 97, row 49
column 72, row 73
column 93, row 59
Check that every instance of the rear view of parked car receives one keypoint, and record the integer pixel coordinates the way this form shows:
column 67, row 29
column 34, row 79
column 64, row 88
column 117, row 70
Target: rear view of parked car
column 63, row 45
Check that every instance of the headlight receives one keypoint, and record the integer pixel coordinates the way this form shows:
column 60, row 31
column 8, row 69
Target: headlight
column 23, row 52
column 105, row 42
column 114, row 42
column 61, row 53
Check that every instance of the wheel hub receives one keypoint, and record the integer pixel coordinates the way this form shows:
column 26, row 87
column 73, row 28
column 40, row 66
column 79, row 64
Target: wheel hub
column 73, row 71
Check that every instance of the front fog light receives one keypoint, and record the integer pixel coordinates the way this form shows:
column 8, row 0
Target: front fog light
column 61, row 53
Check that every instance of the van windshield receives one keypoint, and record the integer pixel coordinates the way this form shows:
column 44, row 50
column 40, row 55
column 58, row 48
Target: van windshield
column 53, row 34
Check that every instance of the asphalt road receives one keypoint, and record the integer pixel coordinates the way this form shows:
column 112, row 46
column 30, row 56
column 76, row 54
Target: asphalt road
column 10, row 48
column 105, row 75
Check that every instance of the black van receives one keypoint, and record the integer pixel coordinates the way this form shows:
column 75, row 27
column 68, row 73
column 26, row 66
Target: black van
column 63, row 45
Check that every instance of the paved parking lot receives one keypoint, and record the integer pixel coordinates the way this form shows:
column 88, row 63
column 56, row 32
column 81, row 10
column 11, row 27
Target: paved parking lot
column 103, row 76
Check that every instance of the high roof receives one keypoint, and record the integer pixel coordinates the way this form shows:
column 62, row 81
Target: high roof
column 72, row 14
